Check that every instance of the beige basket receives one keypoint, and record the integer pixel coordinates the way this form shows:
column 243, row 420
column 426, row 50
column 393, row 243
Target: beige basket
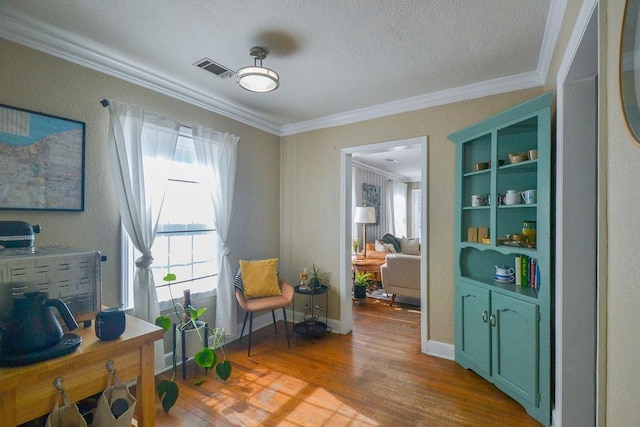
column 66, row 415
column 116, row 405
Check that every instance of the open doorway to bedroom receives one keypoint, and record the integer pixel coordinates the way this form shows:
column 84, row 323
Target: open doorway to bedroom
column 391, row 178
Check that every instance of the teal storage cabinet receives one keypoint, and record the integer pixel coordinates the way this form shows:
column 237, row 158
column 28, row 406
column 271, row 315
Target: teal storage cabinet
column 503, row 329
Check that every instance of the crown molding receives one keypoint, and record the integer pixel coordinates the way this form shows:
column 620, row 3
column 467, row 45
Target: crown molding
column 462, row 93
column 56, row 42
column 551, row 32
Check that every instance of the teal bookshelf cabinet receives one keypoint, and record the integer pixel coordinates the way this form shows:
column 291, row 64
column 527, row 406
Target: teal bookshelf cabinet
column 503, row 329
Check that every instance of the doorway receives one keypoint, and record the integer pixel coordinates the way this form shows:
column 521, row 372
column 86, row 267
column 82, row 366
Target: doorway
column 346, row 155
column 577, row 214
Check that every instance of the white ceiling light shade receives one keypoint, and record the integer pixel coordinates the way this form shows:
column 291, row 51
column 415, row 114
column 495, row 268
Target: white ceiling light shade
column 256, row 78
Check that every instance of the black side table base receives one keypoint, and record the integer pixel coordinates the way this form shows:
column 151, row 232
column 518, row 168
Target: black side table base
column 312, row 330
column 183, row 336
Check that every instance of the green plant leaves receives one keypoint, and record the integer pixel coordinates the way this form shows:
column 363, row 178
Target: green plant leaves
column 195, row 314
column 164, row 322
column 205, row 358
column 168, row 393
column 170, row 277
column 362, row 278
column 223, row 369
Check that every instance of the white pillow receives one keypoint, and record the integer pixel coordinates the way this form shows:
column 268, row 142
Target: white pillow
column 410, row 246
column 384, row 247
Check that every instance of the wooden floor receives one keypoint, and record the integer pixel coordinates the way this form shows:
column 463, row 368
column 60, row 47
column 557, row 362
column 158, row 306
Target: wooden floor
column 375, row 376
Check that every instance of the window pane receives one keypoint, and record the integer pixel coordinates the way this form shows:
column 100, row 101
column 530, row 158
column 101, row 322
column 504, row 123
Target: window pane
column 186, row 242
column 187, row 205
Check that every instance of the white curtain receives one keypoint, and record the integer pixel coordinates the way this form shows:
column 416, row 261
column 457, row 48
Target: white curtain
column 356, row 200
column 141, row 147
column 219, row 151
column 396, row 204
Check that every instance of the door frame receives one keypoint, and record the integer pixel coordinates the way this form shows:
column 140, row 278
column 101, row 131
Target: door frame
column 346, row 222
column 579, row 327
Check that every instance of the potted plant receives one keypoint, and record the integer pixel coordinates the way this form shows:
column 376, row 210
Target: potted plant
column 355, row 244
column 315, row 281
column 360, row 283
column 205, row 357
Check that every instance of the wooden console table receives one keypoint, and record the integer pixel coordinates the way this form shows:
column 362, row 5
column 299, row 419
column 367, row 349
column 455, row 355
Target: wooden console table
column 27, row 392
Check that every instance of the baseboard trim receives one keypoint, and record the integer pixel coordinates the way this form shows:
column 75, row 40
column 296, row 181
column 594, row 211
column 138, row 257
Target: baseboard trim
column 440, row 349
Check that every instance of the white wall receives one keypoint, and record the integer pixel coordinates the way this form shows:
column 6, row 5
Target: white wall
column 622, row 166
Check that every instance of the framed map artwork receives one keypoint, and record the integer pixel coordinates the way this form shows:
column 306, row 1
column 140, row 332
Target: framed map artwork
column 42, row 161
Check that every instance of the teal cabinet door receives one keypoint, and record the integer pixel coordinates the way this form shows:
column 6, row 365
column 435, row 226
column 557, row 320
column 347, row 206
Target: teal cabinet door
column 515, row 351
column 473, row 343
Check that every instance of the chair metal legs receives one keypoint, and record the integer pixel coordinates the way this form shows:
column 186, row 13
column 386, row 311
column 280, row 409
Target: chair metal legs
column 286, row 327
column 273, row 315
column 250, row 331
column 244, row 323
column 250, row 316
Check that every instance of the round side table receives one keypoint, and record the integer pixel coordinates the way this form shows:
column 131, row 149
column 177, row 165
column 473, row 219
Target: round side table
column 316, row 328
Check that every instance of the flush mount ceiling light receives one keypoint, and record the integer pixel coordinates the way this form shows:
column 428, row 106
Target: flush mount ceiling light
column 257, row 78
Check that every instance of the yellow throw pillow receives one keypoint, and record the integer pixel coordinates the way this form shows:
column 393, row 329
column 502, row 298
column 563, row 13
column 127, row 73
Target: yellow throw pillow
column 260, row 278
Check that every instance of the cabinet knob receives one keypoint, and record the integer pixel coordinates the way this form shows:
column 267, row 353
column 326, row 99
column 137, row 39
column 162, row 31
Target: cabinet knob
column 492, row 320
column 484, row 316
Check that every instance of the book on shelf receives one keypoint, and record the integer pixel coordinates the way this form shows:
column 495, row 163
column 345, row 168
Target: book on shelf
column 533, row 265
column 526, row 273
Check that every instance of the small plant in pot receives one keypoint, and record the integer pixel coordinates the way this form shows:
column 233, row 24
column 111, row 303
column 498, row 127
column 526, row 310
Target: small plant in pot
column 315, row 282
column 360, row 283
column 205, row 357
column 355, row 244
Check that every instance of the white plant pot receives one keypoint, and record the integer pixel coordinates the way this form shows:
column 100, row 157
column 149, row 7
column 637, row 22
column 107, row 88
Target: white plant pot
column 193, row 340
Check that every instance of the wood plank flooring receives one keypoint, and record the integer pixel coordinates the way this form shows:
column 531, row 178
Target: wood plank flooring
column 375, row 376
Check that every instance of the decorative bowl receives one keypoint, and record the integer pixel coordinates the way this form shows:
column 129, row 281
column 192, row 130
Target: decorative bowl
column 481, row 166
column 517, row 237
column 518, row 157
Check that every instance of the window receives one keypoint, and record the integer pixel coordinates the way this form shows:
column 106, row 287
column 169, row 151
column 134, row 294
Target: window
column 186, row 242
column 416, row 212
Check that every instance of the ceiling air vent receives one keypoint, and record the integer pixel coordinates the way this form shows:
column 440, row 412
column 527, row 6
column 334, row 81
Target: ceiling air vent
column 215, row 68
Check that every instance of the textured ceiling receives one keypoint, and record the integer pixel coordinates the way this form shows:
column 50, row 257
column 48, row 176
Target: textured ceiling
column 339, row 61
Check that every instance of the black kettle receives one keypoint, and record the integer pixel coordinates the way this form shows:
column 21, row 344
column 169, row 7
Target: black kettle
column 33, row 325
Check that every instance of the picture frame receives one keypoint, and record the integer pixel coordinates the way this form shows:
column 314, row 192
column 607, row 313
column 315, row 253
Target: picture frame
column 43, row 159
column 371, row 198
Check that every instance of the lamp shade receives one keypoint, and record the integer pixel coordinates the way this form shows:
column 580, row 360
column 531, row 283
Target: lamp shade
column 365, row 215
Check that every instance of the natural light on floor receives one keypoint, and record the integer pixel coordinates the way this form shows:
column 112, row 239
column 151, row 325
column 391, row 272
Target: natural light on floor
column 271, row 398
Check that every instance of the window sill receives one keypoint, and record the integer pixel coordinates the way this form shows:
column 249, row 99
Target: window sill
column 195, row 297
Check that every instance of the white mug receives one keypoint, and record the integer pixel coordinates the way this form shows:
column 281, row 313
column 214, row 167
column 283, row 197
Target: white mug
column 477, row 200
column 512, row 197
column 529, row 196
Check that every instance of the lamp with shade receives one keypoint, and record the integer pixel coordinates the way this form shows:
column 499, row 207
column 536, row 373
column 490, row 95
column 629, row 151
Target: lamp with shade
column 364, row 215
